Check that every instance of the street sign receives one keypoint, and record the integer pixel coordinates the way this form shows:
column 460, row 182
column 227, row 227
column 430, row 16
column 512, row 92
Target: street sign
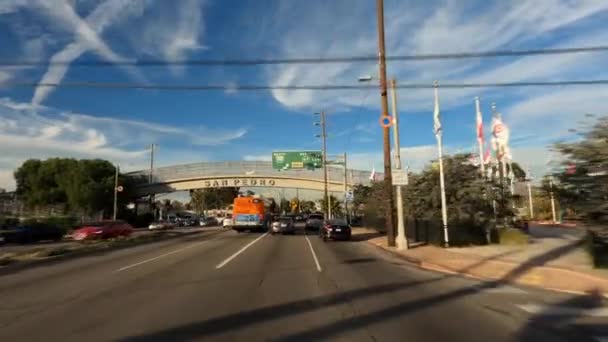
column 119, row 188
column 349, row 195
column 297, row 160
column 386, row 121
column 400, row 177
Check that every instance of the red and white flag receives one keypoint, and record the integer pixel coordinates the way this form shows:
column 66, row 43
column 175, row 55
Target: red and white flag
column 479, row 128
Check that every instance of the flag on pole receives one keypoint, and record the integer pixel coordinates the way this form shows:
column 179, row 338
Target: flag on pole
column 436, row 114
column 479, row 127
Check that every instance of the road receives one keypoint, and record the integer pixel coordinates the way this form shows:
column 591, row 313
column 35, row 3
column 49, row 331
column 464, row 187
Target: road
column 227, row 286
column 68, row 242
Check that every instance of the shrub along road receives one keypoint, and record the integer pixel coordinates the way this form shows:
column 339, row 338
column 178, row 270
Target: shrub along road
column 252, row 287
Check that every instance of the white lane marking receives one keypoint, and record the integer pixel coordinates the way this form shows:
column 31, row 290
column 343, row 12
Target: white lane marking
column 223, row 263
column 552, row 310
column 161, row 256
column 314, row 255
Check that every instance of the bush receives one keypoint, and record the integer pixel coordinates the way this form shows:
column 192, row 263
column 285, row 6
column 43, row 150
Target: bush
column 460, row 233
column 510, row 236
column 64, row 222
column 597, row 249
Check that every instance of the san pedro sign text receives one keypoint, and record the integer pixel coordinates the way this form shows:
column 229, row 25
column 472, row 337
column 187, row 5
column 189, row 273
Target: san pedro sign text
column 228, row 182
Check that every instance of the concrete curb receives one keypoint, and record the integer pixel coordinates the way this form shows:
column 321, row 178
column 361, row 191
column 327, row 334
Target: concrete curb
column 20, row 266
column 539, row 277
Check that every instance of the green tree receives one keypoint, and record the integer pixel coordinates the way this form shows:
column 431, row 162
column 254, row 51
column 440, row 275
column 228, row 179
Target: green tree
column 307, row 206
column 284, row 206
column 197, row 200
column 212, row 198
column 177, row 205
column 583, row 183
column 85, row 186
column 337, row 209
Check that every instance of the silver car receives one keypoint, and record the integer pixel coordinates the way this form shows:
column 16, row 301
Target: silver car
column 284, row 225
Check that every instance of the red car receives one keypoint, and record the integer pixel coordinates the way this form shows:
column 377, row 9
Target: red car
column 103, row 230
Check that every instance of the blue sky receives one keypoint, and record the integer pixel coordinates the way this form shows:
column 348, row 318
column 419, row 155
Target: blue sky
column 192, row 126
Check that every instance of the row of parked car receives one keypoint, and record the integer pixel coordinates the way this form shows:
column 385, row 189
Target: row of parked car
column 39, row 231
column 173, row 222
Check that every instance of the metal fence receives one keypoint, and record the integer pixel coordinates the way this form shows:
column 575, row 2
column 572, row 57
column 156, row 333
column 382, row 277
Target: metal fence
column 250, row 168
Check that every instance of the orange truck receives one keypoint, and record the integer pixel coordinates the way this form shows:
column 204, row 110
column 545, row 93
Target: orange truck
column 250, row 213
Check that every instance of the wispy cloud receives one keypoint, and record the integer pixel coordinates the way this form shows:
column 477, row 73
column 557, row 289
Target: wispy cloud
column 87, row 38
column 449, row 26
column 172, row 31
column 34, row 131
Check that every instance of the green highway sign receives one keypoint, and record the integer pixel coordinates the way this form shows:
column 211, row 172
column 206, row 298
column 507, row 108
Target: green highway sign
column 297, row 160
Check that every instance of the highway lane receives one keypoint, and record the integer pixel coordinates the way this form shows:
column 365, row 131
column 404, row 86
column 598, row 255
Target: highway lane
column 255, row 287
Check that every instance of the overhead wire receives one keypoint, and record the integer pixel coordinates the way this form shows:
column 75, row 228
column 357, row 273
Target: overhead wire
column 247, row 87
column 307, row 60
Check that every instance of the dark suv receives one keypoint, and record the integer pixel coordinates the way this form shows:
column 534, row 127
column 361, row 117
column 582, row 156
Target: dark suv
column 314, row 221
column 335, row 229
column 33, row 232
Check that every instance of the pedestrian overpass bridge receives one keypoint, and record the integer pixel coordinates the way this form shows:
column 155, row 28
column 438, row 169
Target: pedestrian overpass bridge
column 241, row 174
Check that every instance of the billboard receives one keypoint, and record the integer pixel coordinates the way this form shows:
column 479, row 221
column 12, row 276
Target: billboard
column 297, row 160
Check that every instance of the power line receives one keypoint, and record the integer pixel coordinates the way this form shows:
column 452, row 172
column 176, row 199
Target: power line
column 310, row 60
column 197, row 87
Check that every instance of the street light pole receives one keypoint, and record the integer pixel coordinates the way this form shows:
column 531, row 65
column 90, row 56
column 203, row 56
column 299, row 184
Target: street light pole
column 115, row 193
column 401, row 239
column 152, row 147
column 530, row 203
column 345, row 190
column 388, row 180
column 151, row 174
column 325, row 175
column 552, row 199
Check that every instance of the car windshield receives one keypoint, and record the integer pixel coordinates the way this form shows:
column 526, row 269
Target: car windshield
column 315, row 217
column 337, row 222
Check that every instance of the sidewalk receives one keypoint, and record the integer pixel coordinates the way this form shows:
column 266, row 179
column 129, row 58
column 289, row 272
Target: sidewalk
column 555, row 259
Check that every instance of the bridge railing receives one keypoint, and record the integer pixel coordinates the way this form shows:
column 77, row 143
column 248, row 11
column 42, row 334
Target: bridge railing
column 252, row 168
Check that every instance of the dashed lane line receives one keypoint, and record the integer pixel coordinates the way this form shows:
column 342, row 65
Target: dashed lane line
column 230, row 258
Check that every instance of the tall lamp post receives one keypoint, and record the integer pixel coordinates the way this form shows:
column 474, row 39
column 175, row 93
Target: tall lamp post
column 323, row 136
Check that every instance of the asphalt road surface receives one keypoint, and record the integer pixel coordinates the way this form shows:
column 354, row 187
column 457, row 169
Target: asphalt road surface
column 68, row 242
column 227, row 286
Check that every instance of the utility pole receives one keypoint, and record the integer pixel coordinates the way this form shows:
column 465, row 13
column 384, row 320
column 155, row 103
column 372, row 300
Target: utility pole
column 152, row 147
column 530, row 203
column 115, row 193
column 388, row 180
column 151, row 197
column 323, row 136
column 401, row 239
column 345, row 189
column 552, row 200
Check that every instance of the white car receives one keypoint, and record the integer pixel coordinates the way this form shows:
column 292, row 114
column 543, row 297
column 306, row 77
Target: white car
column 160, row 225
column 227, row 223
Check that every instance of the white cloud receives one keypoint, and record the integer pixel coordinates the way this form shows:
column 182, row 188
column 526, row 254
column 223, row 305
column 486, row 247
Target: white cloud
column 415, row 158
column 449, row 26
column 172, row 33
column 30, row 131
column 87, row 32
column 260, row 157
